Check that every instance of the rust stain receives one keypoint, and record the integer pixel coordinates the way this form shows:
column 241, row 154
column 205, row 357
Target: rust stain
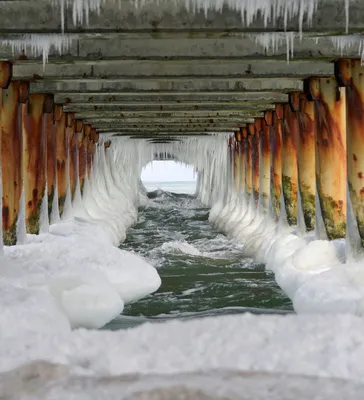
column 11, row 152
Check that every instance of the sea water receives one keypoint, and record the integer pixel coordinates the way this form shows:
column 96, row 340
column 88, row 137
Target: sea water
column 203, row 272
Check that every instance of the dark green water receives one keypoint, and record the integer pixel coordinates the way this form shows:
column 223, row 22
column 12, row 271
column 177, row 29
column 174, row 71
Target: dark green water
column 203, row 272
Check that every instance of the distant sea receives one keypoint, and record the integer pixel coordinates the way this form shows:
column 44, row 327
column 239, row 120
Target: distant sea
column 188, row 187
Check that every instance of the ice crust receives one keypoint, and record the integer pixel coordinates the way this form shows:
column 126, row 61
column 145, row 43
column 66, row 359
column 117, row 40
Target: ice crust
column 73, row 275
column 320, row 346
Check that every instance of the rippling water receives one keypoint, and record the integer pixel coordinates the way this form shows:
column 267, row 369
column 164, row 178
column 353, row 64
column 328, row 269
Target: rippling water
column 203, row 272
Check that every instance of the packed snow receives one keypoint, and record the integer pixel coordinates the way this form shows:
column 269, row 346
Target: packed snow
column 75, row 268
column 74, row 276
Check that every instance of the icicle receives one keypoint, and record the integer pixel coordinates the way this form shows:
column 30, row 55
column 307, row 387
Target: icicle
column 68, row 210
column 39, row 44
column 55, row 206
column 320, row 230
column 301, row 224
column 354, row 249
column 21, row 229
column 44, row 220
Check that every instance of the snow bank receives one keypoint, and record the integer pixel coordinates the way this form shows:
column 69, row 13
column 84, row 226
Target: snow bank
column 322, row 346
column 73, row 275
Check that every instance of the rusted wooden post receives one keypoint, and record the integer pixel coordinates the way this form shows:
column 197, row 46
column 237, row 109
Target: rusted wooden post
column 237, row 160
column 349, row 73
column 35, row 156
column 82, row 158
column 249, row 162
column 254, row 131
column 51, row 132
column 62, row 155
column 330, row 136
column 79, row 136
column 306, row 159
column 276, row 159
column 72, row 143
column 289, row 160
column 5, row 78
column 12, row 145
column 265, row 159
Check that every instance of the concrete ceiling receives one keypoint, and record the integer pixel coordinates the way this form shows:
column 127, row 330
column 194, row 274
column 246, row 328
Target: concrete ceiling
column 161, row 70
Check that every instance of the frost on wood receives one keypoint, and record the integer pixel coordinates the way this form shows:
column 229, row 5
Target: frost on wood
column 39, row 45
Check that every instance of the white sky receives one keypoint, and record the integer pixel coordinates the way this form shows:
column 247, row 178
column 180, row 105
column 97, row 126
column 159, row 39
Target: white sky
column 167, row 171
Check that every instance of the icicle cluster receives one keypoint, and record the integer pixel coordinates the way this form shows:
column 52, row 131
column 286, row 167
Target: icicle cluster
column 270, row 10
column 349, row 42
column 40, row 44
column 273, row 41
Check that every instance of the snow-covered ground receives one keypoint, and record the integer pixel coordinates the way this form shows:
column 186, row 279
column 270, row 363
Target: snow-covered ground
column 74, row 276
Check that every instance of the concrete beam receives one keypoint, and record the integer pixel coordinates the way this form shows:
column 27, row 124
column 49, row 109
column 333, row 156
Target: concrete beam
column 186, row 45
column 173, row 84
column 107, row 115
column 159, row 68
column 42, row 15
column 179, row 128
column 121, row 107
column 169, row 98
column 180, row 120
column 179, row 131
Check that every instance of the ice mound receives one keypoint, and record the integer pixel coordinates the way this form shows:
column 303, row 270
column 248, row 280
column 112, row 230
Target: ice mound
column 75, row 262
column 89, row 301
column 26, row 310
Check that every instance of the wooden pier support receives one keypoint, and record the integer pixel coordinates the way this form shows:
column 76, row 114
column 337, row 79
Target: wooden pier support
column 330, row 136
column 237, row 160
column 276, row 159
column 264, row 155
column 254, row 131
column 51, row 132
column 82, row 156
column 349, row 73
column 11, row 149
column 289, row 161
column 306, row 160
column 35, row 156
column 62, row 155
column 249, row 162
column 72, row 140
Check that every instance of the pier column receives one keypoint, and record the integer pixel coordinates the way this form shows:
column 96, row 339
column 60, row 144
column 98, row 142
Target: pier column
column 79, row 136
column 254, row 131
column 249, row 162
column 237, row 160
column 243, row 135
column 349, row 73
column 264, row 156
column 306, row 160
column 62, row 155
column 51, row 131
column 11, row 149
column 35, row 156
column 82, row 157
column 72, row 143
column 289, row 161
column 330, row 136
column 276, row 159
